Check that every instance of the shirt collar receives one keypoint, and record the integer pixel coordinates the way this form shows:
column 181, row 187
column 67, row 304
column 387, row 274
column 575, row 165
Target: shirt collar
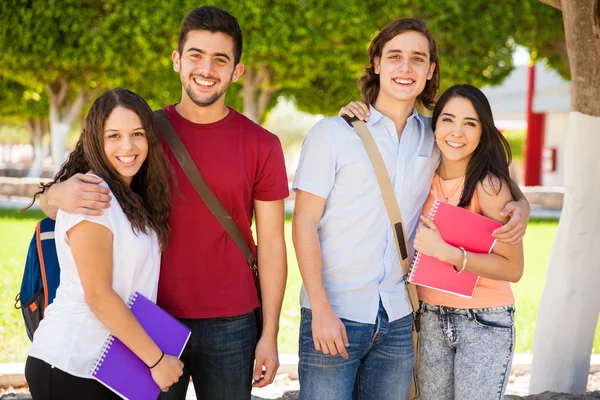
column 376, row 116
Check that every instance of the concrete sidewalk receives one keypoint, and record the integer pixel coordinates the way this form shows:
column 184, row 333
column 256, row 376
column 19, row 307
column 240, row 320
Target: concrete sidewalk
column 13, row 374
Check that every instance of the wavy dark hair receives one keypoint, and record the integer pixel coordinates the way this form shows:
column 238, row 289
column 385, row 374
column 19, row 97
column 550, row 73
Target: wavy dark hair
column 492, row 156
column 369, row 82
column 212, row 19
column 147, row 201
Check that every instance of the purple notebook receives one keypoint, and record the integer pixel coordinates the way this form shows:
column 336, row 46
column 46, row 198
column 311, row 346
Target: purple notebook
column 119, row 369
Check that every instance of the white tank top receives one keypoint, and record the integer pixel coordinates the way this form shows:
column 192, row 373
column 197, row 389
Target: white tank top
column 70, row 337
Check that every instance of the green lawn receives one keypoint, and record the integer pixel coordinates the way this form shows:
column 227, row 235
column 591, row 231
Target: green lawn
column 16, row 231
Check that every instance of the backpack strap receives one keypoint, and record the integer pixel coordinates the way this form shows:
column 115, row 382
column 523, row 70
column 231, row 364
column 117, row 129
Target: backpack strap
column 38, row 241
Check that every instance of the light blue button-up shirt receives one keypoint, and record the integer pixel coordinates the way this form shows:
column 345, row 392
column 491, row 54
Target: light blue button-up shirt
column 360, row 259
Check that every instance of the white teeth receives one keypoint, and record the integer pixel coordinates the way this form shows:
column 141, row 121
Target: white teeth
column 126, row 159
column 202, row 82
column 455, row 145
column 403, row 81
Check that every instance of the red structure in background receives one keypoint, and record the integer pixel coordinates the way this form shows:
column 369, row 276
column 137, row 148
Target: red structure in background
column 534, row 141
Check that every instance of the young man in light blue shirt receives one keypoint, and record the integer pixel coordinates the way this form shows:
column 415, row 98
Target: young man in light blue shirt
column 356, row 327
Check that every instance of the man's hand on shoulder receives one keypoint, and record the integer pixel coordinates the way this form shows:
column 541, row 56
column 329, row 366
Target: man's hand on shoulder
column 513, row 231
column 80, row 194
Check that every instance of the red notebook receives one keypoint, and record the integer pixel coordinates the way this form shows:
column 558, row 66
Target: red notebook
column 459, row 228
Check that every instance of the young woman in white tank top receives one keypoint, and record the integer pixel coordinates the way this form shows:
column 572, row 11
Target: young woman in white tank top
column 105, row 258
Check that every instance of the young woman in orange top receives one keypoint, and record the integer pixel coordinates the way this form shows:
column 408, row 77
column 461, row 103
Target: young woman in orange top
column 467, row 344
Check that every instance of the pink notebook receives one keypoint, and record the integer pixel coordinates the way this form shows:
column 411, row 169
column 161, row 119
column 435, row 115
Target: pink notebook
column 458, row 227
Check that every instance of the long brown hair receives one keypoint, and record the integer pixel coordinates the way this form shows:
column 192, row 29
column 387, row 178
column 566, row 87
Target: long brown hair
column 492, row 156
column 147, row 201
column 369, row 82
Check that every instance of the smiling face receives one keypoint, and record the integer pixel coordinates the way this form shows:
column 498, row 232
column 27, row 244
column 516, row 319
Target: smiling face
column 206, row 67
column 458, row 130
column 125, row 142
column 404, row 67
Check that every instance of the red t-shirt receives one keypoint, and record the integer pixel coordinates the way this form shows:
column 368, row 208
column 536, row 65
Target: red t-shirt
column 203, row 273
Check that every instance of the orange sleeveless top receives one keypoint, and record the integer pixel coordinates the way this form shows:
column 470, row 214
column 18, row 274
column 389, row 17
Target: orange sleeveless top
column 488, row 292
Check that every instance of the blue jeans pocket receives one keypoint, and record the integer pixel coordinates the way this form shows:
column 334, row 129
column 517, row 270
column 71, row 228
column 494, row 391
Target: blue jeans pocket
column 495, row 320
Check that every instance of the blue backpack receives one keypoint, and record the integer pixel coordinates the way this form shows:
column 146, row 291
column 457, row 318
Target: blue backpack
column 40, row 278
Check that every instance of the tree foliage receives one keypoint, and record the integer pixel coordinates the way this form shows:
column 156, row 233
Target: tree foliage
column 309, row 50
column 18, row 102
column 540, row 29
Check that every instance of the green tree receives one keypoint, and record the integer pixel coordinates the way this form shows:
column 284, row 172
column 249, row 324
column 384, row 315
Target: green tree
column 28, row 107
column 73, row 49
column 540, row 29
column 314, row 51
column 309, row 51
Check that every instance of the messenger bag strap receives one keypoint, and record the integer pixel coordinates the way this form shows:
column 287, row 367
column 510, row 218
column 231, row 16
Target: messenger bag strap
column 212, row 202
column 393, row 211
column 390, row 201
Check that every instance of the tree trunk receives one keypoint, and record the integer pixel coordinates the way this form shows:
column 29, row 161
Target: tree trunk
column 256, row 91
column 63, row 114
column 568, row 312
column 59, row 132
column 37, row 129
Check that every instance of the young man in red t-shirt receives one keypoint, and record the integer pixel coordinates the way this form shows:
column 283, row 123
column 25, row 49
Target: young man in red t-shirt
column 205, row 280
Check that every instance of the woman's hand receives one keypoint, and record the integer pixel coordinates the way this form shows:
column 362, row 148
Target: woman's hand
column 167, row 372
column 429, row 241
column 356, row 109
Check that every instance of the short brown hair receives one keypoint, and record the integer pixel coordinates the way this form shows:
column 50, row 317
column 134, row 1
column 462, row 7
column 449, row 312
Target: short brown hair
column 369, row 82
column 212, row 19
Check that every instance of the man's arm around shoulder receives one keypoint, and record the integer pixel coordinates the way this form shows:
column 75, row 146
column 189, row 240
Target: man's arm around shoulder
column 519, row 211
column 80, row 194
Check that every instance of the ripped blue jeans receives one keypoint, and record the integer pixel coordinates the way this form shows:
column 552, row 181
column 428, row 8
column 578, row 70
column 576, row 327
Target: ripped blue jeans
column 466, row 354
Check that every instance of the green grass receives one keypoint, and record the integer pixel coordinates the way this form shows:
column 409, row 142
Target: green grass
column 16, row 231
column 516, row 139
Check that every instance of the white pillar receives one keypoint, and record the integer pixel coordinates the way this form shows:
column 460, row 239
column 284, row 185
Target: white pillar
column 568, row 311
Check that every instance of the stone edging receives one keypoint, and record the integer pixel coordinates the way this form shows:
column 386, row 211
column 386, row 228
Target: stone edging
column 543, row 197
column 13, row 374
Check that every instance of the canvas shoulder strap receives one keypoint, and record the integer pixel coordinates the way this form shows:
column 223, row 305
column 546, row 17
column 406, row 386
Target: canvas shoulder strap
column 209, row 198
column 389, row 199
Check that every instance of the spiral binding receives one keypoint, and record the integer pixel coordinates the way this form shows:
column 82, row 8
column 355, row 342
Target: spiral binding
column 433, row 210
column 105, row 347
column 417, row 256
column 109, row 341
column 132, row 299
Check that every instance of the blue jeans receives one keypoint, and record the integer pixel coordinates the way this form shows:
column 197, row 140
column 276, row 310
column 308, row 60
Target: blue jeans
column 219, row 357
column 465, row 353
column 379, row 366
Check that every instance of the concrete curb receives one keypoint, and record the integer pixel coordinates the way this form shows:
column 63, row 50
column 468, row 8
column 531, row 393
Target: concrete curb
column 17, row 202
column 13, row 374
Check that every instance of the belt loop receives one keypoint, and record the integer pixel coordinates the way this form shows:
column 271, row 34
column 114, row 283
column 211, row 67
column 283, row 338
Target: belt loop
column 470, row 313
